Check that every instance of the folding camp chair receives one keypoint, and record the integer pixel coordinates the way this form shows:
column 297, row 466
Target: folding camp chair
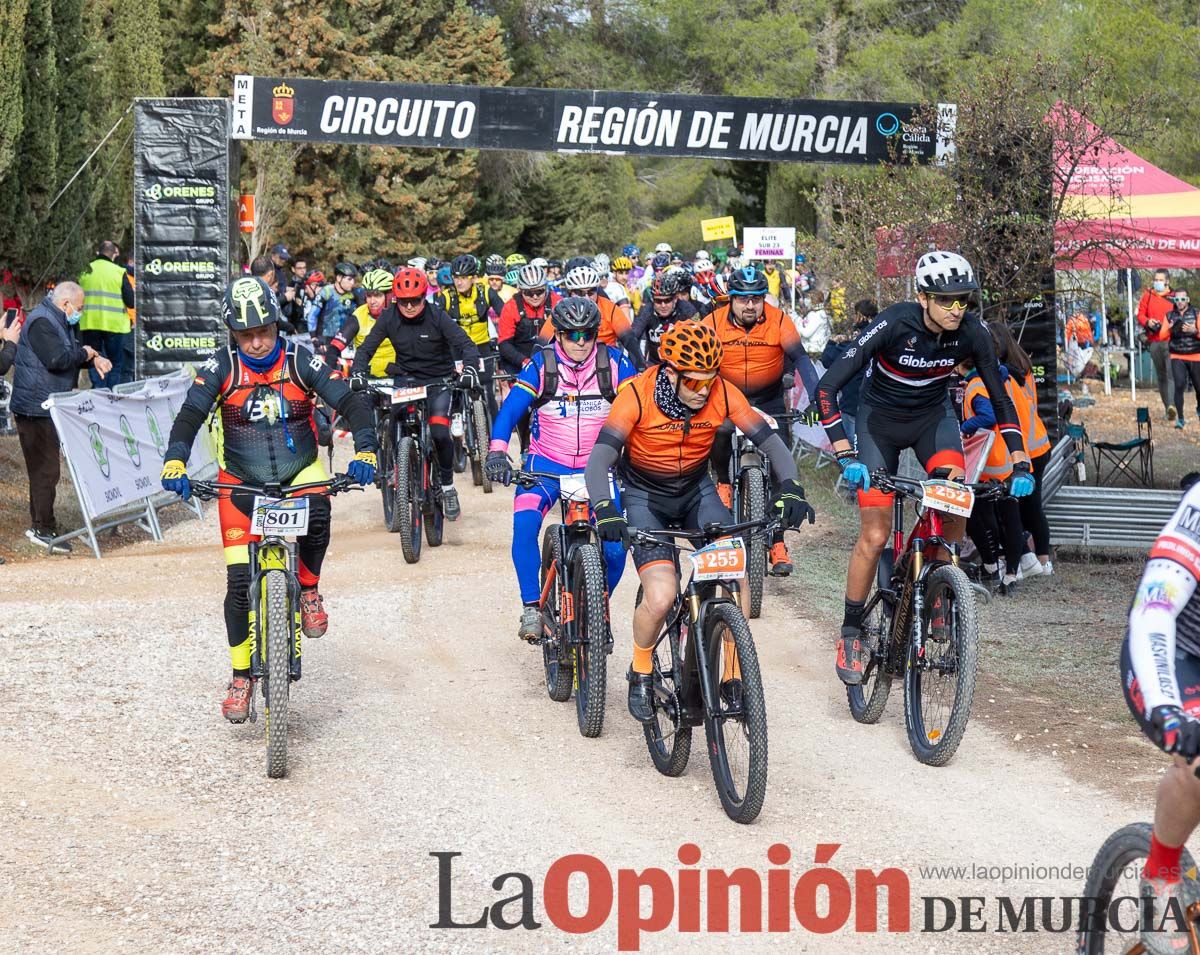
column 1133, row 459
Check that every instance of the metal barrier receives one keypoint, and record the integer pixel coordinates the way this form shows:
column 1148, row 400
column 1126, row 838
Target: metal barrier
column 1108, row 516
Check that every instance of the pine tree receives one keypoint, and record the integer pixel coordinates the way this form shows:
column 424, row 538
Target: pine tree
column 12, row 68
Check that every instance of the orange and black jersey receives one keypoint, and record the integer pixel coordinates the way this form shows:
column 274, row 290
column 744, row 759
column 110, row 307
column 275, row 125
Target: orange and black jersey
column 261, row 411
column 756, row 358
column 666, row 455
column 615, row 327
column 909, row 369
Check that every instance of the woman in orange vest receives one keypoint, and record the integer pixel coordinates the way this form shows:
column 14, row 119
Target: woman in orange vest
column 1022, row 389
column 994, row 526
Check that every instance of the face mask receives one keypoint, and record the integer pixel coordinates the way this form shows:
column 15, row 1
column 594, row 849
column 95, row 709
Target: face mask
column 1160, row 286
column 72, row 317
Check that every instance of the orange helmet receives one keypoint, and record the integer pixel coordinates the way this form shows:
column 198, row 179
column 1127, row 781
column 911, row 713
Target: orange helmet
column 690, row 346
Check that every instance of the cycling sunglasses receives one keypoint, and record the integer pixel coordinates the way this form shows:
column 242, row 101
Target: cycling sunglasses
column 581, row 336
column 663, row 300
column 533, row 293
column 410, row 302
column 697, row 385
column 952, row 302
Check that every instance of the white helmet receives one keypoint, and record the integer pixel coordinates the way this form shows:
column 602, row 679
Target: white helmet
column 531, row 277
column 703, row 256
column 539, row 261
column 945, row 273
column 734, row 262
column 418, row 262
column 603, row 264
column 582, row 277
column 663, row 247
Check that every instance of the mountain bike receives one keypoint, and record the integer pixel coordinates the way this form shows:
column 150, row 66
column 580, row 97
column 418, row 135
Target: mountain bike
column 706, row 670
column 1115, row 874
column 920, row 621
column 412, row 495
column 471, row 430
column 576, row 638
column 749, row 476
column 280, row 514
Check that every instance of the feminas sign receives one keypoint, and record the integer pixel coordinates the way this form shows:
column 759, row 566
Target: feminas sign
column 592, row 121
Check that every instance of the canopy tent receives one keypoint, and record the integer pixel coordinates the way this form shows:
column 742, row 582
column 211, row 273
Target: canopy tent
column 1134, row 215
column 1122, row 212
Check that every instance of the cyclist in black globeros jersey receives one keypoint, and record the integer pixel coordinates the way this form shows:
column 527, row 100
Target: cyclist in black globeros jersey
column 910, row 351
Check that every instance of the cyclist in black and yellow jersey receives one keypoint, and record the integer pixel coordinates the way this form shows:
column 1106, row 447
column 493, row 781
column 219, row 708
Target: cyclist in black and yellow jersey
column 468, row 302
column 378, row 287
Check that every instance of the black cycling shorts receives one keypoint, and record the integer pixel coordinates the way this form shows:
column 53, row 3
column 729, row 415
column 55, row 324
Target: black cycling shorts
column 1187, row 678
column 880, row 437
column 654, row 512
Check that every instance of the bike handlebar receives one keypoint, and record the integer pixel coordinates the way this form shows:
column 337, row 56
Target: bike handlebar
column 908, row 487
column 709, row 532
column 210, row 490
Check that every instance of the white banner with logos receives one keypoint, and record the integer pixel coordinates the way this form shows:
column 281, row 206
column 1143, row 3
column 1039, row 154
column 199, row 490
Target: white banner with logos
column 770, row 244
column 114, row 441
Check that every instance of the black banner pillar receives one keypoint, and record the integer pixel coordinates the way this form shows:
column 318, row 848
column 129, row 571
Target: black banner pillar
column 185, row 177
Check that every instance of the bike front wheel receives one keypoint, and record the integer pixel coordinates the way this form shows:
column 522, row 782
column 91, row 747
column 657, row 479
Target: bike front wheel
column 939, row 678
column 590, row 653
column 276, row 626
column 408, row 499
column 388, row 479
column 736, row 713
column 1115, row 874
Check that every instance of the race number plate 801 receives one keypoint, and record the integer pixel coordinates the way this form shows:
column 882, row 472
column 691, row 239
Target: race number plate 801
column 720, row 560
column 275, row 518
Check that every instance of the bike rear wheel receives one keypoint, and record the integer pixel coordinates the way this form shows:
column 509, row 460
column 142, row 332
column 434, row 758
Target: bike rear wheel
column 1114, row 874
column 433, row 515
column 669, row 741
column 478, row 423
column 939, row 682
column 869, row 699
column 752, row 506
column 387, row 482
column 591, row 653
column 276, row 625
column 737, row 734
column 560, row 674
column 408, row 503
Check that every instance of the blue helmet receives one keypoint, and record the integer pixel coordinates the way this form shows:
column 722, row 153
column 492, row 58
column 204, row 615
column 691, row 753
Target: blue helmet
column 444, row 276
column 747, row 281
column 631, row 250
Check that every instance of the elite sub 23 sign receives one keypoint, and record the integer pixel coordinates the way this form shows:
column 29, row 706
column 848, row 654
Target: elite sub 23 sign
column 593, row 121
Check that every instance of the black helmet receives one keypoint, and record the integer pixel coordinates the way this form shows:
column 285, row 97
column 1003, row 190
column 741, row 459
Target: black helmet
column 747, row 281
column 346, row 268
column 249, row 303
column 433, row 263
column 575, row 314
column 575, row 262
column 464, row 265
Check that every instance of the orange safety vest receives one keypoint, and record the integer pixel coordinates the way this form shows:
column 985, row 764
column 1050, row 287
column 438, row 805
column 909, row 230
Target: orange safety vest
column 1033, row 429
column 997, row 467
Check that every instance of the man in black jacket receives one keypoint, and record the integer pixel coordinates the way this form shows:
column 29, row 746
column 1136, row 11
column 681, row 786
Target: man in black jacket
column 48, row 360
column 426, row 340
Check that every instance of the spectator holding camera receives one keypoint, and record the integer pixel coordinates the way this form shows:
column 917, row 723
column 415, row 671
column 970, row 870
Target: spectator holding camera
column 1153, row 312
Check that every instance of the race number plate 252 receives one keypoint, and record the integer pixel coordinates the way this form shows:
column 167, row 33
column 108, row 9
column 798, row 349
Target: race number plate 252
column 274, row 518
column 720, row 560
column 948, row 497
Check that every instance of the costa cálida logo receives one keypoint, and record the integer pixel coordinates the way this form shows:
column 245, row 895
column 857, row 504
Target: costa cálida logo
column 282, row 104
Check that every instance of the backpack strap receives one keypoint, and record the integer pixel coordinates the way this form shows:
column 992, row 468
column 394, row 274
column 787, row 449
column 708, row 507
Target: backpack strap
column 235, row 374
column 604, row 377
column 549, row 376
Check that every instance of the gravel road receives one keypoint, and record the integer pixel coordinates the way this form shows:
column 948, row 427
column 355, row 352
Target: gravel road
column 135, row 818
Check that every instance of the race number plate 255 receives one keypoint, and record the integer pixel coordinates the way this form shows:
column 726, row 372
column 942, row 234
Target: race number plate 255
column 720, row 560
column 275, row 518
column 948, row 497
